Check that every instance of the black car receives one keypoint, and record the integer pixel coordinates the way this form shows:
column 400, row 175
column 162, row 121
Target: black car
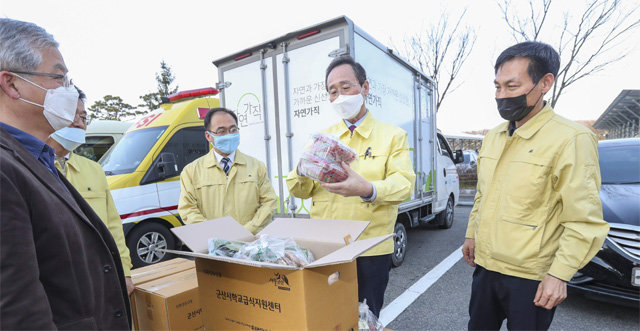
column 614, row 273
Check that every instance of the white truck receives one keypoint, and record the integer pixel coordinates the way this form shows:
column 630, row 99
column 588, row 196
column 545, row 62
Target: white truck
column 278, row 91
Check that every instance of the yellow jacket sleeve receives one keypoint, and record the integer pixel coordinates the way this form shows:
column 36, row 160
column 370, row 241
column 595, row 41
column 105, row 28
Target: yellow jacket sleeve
column 188, row 204
column 267, row 202
column 577, row 180
column 399, row 178
column 473, row 217
column 300, row 186
column 114, row 223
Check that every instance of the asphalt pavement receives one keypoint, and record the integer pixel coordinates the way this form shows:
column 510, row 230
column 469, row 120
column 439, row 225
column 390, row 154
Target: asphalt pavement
column 444, row 306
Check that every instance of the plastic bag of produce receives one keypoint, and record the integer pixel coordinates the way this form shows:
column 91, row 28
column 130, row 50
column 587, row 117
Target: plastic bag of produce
column 322, row 160
column 367, row 321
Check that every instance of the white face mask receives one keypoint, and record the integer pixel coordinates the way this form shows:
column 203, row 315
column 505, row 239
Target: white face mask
column 69, row 138
column 348, row 106
column 59, row 104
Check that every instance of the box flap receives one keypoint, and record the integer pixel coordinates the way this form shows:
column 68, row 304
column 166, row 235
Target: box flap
column 196, row 236
column 331, row 231
column 349, row 252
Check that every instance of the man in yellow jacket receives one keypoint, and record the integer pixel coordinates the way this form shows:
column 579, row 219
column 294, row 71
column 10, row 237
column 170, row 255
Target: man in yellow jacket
column 89, row 179
column 537, row 216
column 226, row 182
column 381, row 178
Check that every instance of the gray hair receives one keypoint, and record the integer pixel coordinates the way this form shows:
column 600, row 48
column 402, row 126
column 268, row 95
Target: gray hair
column 21, row 45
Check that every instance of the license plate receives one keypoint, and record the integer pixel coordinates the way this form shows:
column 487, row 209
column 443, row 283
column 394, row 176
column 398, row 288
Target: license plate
column 635, row 276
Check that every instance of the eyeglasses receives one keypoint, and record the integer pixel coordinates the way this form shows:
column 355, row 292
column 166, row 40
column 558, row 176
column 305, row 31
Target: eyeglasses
column 224, row 132
column 344, row 88
column 83, row 118
column 64, row 79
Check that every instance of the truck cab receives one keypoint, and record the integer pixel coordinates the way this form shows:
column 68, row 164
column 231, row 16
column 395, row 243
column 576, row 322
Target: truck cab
column 143, row 171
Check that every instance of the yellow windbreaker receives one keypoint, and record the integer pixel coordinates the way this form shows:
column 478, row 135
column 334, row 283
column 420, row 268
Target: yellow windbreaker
column 88, row 178
column 207, row 192
column 389, row 170
column 537, row 208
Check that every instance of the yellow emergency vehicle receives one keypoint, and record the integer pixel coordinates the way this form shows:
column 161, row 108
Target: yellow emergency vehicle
column 143, row 171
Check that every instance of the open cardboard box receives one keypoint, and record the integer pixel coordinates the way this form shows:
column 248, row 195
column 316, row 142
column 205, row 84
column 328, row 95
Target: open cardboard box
column 236, row 294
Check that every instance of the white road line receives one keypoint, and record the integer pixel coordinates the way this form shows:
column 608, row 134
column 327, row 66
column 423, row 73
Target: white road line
column 401, row 303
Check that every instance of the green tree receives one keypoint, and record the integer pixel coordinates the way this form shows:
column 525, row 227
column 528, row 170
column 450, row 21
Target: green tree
column 164, row 79
column 112, row 108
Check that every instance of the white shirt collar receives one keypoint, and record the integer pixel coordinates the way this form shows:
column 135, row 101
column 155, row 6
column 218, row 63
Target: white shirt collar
column 231, row 157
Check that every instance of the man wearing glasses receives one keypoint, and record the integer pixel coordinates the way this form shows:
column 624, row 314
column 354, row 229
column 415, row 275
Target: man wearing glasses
column 90, row 180
column 59, row 265
column 226, row 182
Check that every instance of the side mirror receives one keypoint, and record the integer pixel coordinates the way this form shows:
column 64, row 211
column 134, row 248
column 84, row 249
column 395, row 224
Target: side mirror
column 167, row 165
column 472, row 163
column 459, row 157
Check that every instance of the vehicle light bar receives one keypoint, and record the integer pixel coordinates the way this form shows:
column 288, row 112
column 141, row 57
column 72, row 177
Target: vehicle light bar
column 190, row 94
column 243, row 56
column 308, row 34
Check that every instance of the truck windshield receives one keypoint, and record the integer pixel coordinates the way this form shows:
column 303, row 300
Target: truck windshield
column 127, row 154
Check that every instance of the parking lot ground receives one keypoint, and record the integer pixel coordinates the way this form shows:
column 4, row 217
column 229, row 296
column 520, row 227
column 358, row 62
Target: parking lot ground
column 444, row 305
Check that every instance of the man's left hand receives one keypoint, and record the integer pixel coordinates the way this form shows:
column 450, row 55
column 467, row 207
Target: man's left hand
column 354, row 185
column 551, row 292
column 129, row 283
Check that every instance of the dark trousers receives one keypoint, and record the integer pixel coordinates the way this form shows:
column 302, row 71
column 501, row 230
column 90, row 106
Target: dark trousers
column 373, row 276
column 495, row 296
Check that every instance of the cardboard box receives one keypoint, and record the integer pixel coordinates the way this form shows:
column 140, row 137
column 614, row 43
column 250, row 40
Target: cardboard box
column 170, row 303
column 241, row 294
column 152, row 272
column 159, row 270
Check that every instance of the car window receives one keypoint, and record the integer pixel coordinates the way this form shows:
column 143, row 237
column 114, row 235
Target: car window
column 187, row 145
column 94, row 147
column 620, row 164
column 467, row 158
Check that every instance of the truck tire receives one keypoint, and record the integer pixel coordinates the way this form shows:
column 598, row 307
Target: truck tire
column 144, row 240
column 399, row 245
column 445, row 218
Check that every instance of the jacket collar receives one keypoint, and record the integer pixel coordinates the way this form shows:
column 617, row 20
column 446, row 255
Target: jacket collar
column 211, row 161
column 533, row 125
column 364, row 129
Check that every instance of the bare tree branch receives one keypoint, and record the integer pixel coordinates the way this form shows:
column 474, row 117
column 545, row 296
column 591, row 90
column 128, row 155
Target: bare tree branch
column 441, row 51
column 586, row 45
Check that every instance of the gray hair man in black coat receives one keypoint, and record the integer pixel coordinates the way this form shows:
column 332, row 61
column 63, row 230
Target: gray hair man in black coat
column 59, row 266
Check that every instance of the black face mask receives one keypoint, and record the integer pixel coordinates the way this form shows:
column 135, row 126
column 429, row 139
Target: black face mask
column 515, row 108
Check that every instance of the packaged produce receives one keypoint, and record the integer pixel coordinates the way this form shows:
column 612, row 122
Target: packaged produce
column 221, row 247
column 276, row 250
column 322, row 160
column 367, row 321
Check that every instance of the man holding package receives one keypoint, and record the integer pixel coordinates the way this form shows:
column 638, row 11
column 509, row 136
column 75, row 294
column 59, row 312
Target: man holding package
column 89, row 179
column 226, row 182
column 380, row 179
column 59, row 265
column 537, row 216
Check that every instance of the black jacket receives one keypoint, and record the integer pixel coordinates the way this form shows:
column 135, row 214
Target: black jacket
column 59, row 266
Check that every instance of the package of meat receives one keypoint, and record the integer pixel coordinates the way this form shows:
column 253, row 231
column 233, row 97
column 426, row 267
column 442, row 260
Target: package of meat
column 322, row 160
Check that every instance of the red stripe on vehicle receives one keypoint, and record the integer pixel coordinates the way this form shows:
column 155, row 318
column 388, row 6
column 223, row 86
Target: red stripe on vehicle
column 148, row 211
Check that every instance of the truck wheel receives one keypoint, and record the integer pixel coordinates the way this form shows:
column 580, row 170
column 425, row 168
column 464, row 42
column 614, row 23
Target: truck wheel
column 145, row 239
column 445, row 218
column 399, row 245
